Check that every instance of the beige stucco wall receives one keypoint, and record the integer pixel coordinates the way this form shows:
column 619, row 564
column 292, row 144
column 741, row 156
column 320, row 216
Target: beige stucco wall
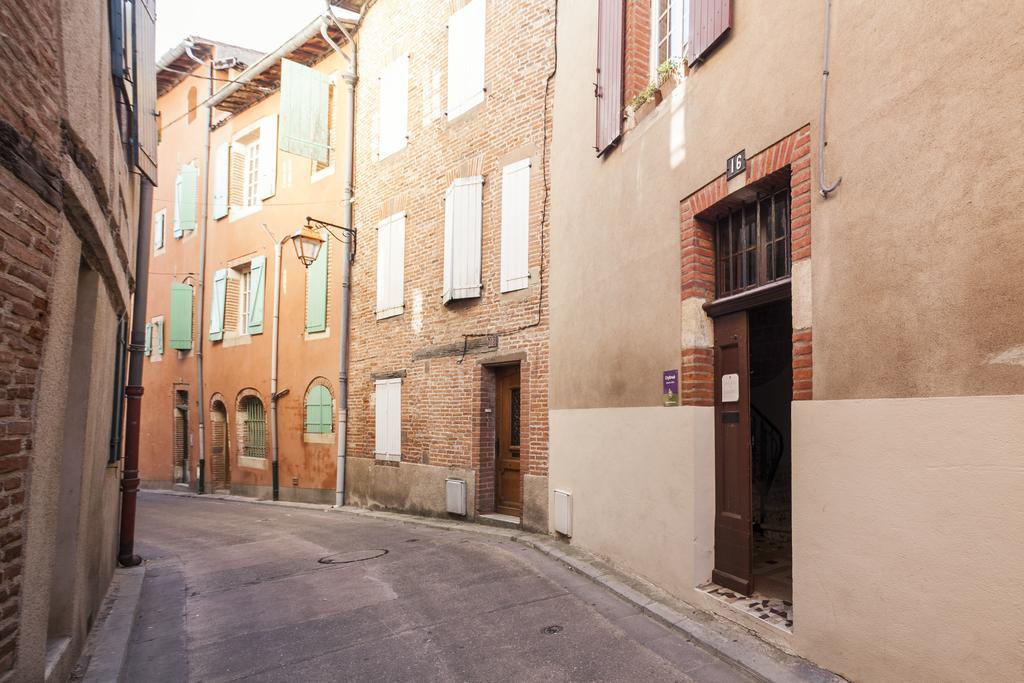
column 642, row 485
column 907, row 537
column 413, row 488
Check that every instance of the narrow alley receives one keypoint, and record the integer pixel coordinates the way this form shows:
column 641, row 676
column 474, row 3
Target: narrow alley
column 264, row 593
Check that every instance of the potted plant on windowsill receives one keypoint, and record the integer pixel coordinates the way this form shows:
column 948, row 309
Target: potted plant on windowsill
column 667, row 75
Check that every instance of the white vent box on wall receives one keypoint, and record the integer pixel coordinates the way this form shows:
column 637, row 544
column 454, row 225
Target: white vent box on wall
column 455, row 490
column 563, row 512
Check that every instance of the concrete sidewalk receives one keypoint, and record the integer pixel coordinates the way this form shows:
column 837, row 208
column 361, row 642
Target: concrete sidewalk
column 725, row 640
column 103, row 657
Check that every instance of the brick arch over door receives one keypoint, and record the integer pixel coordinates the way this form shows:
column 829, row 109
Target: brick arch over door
column 697, row 372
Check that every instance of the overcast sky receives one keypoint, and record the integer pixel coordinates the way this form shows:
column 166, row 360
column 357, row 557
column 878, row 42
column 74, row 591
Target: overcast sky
column 256, row 24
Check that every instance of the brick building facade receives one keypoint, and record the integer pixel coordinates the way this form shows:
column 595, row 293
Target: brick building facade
column 69, row 200
column 478, row 113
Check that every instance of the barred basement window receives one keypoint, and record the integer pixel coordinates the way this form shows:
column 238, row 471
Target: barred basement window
column 254, row 441
column 753, row 243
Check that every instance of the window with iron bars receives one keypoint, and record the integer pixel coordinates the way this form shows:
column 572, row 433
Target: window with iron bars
column 752, row 243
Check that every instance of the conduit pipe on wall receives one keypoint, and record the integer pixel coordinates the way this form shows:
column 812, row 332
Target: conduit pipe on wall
column 200, row 399
column 133, row 391
column 275, row 490
column 350, row 77
column 823, row 185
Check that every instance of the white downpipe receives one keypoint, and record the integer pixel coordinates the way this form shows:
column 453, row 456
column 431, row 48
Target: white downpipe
column 350, row 77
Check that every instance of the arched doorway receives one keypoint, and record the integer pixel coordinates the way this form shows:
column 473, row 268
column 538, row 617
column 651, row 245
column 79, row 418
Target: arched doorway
column 219, row 446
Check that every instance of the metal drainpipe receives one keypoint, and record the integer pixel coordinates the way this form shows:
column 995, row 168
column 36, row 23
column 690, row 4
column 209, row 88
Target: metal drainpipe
column 823, row 185
column 133, row 391
column 201, row 412
column 351, row 76
column 275, row 490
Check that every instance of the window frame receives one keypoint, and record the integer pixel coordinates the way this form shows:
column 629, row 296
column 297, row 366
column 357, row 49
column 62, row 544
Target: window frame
column 160, row 219
column 316, row 174
column 771, row 231
column 675, row 49
column 244, row 272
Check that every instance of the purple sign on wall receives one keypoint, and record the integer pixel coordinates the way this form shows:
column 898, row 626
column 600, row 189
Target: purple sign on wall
column 670, row 387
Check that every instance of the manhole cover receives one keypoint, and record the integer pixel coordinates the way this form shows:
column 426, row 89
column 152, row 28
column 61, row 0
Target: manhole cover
column 552, row 630
column 352, row 556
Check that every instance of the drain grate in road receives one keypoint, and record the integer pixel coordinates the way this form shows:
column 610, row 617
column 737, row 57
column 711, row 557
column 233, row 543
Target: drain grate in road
column 350, row 556
column 551, row 630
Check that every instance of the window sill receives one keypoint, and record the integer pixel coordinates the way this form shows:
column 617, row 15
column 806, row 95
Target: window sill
column 240, row 212
column 466, row 107
column 319, row 437
column 387, row 458
column 154, row 358
column 321, row 174
column 236, row 339
column 634, row 115
column 391, row 312
column 252, row 463
column 313, row 336
column 382, row 156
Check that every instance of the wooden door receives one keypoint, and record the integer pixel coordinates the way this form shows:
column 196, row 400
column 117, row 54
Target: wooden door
column 733, row 516
column 507, row 465
column 219, row 448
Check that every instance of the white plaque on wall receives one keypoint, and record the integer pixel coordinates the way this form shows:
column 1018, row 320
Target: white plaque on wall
column 730, row 388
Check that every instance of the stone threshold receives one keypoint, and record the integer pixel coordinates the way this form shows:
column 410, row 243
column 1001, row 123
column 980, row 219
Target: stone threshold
column 723, row 638
column 772, row 611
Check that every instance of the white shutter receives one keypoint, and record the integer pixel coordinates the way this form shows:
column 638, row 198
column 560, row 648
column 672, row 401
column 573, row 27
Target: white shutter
column 395, row 419
column 515, row 226
column 266, row 183
column 380, row 421
column 394, row 107
column 158, row 229
column 391, row 266
column 221, row 171
column 463, row 214
column 466, row 50
column 388, row 419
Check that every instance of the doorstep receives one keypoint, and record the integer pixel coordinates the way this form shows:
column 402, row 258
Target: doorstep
column 495, row 519
column 772, row 611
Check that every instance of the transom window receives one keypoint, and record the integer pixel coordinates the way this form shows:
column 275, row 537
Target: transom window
column 752, row 243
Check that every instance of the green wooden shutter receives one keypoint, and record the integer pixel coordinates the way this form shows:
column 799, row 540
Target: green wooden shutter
column 181, row 316
column 319, row 410
column 257, row 269
column 220, row 285
column 316, row 292
column 189, row 178
column 149, row 339
column 304, row 110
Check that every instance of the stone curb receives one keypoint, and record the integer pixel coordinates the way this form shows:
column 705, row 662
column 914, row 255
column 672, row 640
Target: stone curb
column 735, row 644
column 111, row 639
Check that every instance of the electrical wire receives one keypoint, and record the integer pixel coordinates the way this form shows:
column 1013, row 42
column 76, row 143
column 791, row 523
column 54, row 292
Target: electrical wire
column 546, row 182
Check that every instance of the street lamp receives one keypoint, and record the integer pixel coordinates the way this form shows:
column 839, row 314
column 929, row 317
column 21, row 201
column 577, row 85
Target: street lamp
column 307, row 243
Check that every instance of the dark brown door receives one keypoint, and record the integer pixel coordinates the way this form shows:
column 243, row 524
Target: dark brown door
column 733, row 530
column 507, row 470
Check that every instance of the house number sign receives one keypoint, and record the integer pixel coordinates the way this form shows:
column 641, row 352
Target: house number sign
column 736, row 164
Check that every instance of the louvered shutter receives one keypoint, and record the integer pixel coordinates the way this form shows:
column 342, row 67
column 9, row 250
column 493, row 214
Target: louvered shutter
column 608, row 88
column 220, row 283
column 266, row 182
column 515, row 226
column 466, row 56
column 316, row 291
column 144, row 57
column 391, row 266
column 394, row 107
column 177, row 207
column 158, row 230
column 188, row 199
column 181, row 316
column 304, row 111
column 319, row 410
column 710, row 21
column 462, row 225
column 221, row 172
column 236, row 179
column 257, row 276
column 158, row 337
column 149, row 339
column 394, row 443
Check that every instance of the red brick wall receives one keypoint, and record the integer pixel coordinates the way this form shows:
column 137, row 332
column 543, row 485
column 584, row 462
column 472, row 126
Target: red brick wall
column 29, row 228
column 444, row 396
column 698, row 254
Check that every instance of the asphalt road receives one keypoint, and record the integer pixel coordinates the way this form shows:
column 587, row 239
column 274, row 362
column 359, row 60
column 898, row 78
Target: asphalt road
column 240, row 591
